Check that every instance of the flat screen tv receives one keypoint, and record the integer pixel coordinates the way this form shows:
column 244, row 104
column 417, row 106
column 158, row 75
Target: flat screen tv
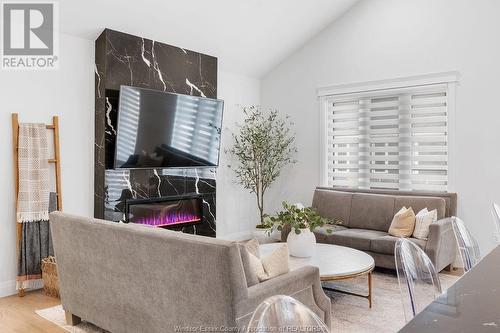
column 156, row 129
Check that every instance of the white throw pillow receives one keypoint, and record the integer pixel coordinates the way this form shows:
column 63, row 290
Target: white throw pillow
column 272, row 265
column 247, row 248
column 257, row 267
column 423, row 220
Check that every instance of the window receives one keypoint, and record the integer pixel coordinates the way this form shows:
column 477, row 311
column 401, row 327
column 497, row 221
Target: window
column 394, row 138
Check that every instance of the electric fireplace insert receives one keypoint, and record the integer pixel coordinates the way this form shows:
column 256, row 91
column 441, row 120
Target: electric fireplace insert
column 172, row 212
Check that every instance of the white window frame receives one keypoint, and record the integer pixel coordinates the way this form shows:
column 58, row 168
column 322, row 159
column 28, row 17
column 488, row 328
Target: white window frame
column 450, row 79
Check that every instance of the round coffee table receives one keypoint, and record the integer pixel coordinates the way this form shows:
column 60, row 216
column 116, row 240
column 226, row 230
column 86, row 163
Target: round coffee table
column 334, row 263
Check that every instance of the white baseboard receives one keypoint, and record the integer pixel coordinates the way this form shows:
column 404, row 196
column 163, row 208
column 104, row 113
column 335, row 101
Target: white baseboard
column 7, row 288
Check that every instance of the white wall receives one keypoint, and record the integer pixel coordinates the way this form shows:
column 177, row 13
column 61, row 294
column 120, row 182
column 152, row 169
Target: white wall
column 36, row 96
column 380, row 39
column 237, row 212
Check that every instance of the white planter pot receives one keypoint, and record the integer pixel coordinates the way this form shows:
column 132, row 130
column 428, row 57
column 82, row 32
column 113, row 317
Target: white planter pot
column 276, row 234
column 262, row 235
column 301, row 245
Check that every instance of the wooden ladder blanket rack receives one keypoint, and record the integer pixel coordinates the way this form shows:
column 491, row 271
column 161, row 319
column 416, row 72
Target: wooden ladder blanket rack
column 56, row 161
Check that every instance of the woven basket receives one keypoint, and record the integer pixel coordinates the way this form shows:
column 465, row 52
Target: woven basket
column 49, row 276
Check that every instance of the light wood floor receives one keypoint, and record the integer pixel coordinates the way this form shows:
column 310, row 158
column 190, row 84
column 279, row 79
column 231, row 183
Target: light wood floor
column 17, row 314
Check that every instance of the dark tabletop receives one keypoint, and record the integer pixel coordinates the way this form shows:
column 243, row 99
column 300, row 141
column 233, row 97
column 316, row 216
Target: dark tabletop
column 471, row 305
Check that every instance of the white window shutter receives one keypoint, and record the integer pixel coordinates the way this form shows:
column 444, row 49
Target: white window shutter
column 429, row 133
column 391, row 139
column 343, row 143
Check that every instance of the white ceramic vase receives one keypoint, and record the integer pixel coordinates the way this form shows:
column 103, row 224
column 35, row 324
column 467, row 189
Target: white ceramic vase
column 301, row 245
column 262, row 235
column 276, row 234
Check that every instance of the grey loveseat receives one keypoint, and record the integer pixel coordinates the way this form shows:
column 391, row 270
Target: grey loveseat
column 367, row 215
column 131, row 278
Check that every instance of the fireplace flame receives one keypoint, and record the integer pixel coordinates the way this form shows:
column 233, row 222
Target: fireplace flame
column 168, row 219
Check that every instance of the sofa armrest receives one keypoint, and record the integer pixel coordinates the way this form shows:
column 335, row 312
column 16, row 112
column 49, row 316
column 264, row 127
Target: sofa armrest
column 441, row 244
column 289, row 284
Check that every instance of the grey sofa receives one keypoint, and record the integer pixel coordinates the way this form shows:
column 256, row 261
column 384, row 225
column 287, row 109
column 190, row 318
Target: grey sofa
column 367, row 215
column 132, row 278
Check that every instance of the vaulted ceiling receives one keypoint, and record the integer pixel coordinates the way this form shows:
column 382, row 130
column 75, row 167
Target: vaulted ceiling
column 249, row 37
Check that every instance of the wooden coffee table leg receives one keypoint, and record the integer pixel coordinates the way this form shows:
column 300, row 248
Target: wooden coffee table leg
column 370, row 283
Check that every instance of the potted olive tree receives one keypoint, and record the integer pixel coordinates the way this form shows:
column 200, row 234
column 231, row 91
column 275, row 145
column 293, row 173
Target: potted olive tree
column 263, row 145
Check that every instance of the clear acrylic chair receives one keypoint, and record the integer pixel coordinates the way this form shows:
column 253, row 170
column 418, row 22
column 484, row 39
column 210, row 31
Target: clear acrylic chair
column 467, row 245
column 495, row 211
column 285, row 314
column 418, row 280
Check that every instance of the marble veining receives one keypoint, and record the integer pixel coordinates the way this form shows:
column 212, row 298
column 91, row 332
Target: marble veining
column 159, row 182
column 98, row 81
column 123, row 59
column 209, row 208
column 109, row 123
column 143, row 49
column 194, row 88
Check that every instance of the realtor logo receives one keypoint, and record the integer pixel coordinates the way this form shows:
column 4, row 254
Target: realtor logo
column 29, row 35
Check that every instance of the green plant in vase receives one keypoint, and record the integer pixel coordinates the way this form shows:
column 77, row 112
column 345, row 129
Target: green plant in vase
column 299, row 218
column 302, row 221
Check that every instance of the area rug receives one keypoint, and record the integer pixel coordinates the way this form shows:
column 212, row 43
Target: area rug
column 56, row 315
column 349, row 314
column 352, row 314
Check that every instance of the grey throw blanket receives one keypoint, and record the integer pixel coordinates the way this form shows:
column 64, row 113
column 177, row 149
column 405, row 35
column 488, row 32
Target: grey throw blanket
column 35, row 244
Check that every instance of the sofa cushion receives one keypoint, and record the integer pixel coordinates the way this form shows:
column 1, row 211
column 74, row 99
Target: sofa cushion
column 322, row 233
column 371, row 211
column 385, row 244
column 333, row 204
column 403, row 223
column 259, row 269
column 274, row 263
column 247, row 250
column 423, row 220
column 252, row 245
column 419, row 203
column 356, row 238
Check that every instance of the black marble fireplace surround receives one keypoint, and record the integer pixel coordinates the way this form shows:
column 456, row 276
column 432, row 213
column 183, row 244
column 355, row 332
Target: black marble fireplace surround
column 123, row 59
